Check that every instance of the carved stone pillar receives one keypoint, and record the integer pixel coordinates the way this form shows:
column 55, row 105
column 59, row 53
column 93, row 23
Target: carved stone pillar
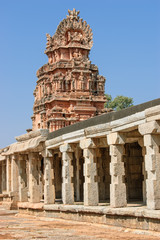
column 141, row 143
column 49, row 186
column 14, row 173
column 23, row 189
column 34, row 186
column 77, row 155
column 0, row 177
column 151, row 131
column 8, row 174
column 91, row 197
column 101, row 175
column 14, row 180
column 67, row 174
column 117, row 187
column 4, row 183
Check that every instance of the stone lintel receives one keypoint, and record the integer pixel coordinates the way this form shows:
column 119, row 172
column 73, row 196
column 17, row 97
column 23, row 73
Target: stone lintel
column 116, row 138
column 149, row 128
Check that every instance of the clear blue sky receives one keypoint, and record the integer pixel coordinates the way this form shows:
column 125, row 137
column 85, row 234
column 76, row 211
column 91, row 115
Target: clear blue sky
column 126, row 35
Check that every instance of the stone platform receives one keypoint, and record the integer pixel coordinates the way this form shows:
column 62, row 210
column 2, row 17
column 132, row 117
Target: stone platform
column 135, row 215
column 26, row 227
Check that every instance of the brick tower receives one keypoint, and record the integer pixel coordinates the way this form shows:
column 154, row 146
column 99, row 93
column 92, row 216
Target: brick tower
column 69, row 88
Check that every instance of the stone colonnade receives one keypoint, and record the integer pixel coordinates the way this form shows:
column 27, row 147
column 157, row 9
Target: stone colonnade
column 77, row 171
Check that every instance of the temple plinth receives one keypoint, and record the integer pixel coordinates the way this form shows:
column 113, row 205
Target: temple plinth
column 69, row 88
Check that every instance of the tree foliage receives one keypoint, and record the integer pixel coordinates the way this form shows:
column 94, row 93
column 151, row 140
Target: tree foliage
column 118, row 103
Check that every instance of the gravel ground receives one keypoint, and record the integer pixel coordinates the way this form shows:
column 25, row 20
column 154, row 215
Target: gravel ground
column 16, row 226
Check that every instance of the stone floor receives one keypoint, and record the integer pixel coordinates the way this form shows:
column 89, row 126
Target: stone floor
column 16, row 226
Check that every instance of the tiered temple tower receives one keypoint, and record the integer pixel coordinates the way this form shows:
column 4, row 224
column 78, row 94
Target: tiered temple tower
column 69, row 88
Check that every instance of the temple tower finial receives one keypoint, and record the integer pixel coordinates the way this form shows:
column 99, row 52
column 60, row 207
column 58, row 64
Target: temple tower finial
column 73, row 15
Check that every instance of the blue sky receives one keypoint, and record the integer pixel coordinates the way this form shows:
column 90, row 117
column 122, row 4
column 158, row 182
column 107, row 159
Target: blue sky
column 126, row 35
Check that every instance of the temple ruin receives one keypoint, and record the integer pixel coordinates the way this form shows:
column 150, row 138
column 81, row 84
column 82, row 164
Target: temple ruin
column 104, row 169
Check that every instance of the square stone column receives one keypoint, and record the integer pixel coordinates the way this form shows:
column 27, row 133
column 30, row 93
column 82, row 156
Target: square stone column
column 91, row 196
column 14, row 173
column 49, row 187
column 23, row 188
column 151, row 132
column 67, row 174
column 77, row 156
column 101, row 175
column 8, row 174
column 34, row 183
column 0, row 177
column 141, row 143
column 14, row 180
column 4, row 183
column 117, row 188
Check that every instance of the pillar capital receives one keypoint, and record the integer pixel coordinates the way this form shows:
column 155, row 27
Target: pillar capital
column 87, row 143
column 66, row 147
column 116, row 138
column 47, row 153
column 149, row 128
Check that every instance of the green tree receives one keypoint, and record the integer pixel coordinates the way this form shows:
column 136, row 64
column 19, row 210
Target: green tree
column 118, row 103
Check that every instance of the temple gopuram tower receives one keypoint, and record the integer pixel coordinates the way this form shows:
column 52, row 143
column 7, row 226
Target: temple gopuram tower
column 69, row 88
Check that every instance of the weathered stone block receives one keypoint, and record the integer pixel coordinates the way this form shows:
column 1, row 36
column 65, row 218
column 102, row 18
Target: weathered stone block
column 66, row 148
column 115, row 138
column 149, row 128
column 117, row 169
column 118, row 195
column 87, row 143
column 151, row 163
column 67, row 156
column 91, row 194
column 116, row 150
column 67, row 193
